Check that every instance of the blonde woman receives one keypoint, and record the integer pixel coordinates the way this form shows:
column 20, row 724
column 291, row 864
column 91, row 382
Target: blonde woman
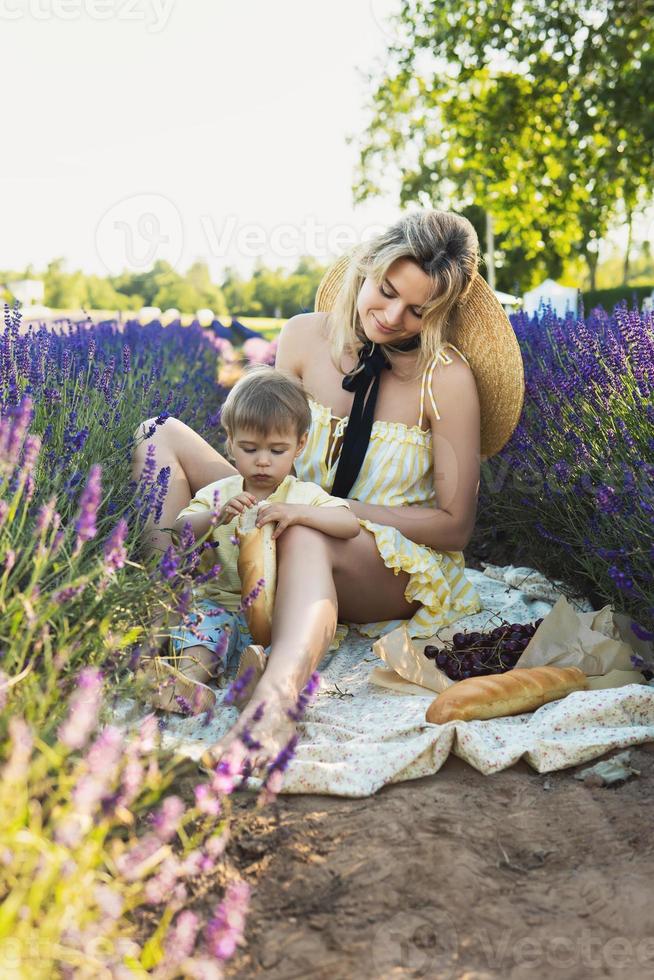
column 396, row 430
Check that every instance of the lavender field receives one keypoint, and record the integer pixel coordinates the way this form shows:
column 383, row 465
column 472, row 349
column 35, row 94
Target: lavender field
column 105, row 863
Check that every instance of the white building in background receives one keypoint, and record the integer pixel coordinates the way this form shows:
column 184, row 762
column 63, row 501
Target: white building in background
column 28, row 292
column 562, row 299
column 510, row 303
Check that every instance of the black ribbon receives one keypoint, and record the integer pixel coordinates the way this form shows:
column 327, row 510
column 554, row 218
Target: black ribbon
column 359, row 426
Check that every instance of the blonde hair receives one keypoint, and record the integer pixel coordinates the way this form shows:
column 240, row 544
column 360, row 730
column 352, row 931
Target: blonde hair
column 265, row 400
column 444, row 245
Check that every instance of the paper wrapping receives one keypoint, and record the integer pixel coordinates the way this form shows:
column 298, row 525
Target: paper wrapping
column 599, row 643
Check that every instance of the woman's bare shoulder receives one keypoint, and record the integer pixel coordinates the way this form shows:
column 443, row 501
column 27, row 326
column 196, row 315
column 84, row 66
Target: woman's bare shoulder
column 297, row 340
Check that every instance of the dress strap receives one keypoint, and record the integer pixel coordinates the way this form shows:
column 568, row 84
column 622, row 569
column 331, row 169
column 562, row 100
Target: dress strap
column 426, row 382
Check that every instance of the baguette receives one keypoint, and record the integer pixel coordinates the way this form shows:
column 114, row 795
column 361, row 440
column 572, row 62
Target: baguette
column 512, row 693
column 257, row 559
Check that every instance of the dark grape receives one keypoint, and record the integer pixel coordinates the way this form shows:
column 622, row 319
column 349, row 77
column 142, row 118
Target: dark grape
column 441, row 658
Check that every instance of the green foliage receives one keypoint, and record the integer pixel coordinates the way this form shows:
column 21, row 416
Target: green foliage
column 268, row 293
column 539, row 112
column 608, row 298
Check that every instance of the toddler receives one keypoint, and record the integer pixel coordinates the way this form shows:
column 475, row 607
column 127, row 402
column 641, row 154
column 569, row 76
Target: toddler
column 266, row 417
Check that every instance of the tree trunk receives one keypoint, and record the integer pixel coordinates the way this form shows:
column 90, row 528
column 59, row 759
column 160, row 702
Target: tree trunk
column 591, row 262
column 490, row 250
column 625, row 271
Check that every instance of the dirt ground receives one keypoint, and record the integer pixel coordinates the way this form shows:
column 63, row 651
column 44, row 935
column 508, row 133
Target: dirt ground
column 457, row 875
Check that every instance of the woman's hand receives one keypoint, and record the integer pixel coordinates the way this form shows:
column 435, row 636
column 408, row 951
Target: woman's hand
column 284, row 514
column 235, row 506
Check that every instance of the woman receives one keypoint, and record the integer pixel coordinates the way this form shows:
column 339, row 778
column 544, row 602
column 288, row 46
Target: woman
column 407, row 456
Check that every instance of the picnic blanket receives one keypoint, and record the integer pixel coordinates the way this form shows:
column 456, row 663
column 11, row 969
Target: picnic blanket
column 357, row 736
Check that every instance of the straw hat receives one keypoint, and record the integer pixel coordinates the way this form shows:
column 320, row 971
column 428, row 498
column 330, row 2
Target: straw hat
column 481, row 331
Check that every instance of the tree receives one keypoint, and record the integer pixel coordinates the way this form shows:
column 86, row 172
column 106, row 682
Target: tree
column 538, row 111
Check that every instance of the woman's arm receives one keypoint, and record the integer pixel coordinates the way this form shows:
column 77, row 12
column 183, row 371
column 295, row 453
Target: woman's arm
column 456, row 448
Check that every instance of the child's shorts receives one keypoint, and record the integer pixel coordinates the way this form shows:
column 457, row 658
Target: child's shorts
column 227, row 633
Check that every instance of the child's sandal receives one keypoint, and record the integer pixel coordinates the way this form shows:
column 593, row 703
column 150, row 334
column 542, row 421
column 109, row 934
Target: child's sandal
column 165, row 683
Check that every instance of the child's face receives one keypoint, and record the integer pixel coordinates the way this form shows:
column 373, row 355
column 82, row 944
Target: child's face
column 264, row 461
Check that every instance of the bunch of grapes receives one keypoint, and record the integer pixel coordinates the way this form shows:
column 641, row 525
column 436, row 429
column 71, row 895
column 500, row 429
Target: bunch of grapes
column 477, row 654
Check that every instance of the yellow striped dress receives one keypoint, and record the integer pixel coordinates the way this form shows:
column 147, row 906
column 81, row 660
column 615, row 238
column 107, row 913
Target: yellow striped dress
column 397, row 471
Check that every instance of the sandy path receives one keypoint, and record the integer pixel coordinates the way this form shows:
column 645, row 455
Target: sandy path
column 457, row 875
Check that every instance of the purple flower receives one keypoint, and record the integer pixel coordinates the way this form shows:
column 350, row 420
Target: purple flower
column 304, row 698
column 84, row 706
column 13, row 429
column 21, row 751
column 206, row 802
column 225, row 930
column 281, row 762
column 167, row 818
column 238, row 686
column 127, row 358
column 88, row 507
column 180, row 938
column 45, row 516
column 607, row 499
column 169, row 565
column 115, row 553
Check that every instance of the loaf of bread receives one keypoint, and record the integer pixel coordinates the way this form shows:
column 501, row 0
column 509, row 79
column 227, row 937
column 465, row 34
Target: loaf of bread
column 257, row 560
column 512, row 693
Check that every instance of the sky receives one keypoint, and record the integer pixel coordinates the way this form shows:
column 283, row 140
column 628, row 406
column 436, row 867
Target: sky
column 136, row 130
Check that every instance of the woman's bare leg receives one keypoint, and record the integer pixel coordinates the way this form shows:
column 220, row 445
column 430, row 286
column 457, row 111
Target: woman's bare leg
column 319, row 579
column 193, row 464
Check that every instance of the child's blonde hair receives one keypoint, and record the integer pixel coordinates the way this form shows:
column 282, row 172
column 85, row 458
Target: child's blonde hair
column 444, row 245
column 265, row 400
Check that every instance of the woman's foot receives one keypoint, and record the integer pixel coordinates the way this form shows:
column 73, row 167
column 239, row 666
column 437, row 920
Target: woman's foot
column 166, row 688
column 263, row 729
column 250, row 671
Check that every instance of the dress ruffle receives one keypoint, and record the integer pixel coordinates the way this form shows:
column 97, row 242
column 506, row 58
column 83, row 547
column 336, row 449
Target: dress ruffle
column 436, row 580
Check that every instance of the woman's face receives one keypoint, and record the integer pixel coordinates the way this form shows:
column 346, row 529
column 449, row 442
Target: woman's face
column 396, row 305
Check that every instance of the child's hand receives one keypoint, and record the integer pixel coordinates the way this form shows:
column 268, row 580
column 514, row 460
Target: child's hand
column 284, row 514
column 237, row 505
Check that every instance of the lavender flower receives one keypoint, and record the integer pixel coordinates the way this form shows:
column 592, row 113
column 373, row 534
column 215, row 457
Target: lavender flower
column 297, row 712
column 206, row 802
column 180, row 939
column 45, row 516
column 225, row 930
column 15, row 769
column 166, row 820
column 237, row 686
column 85, row 525
column 84, row 707
column 169, row 565
column 115, row 553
